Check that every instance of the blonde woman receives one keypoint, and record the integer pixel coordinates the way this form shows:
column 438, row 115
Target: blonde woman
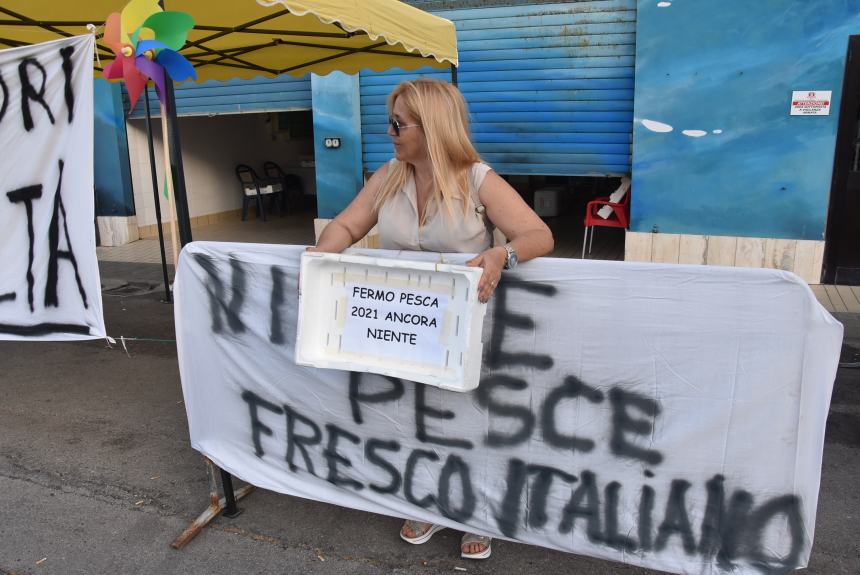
column 436, row 195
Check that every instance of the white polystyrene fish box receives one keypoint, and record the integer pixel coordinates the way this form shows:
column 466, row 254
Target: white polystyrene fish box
column 419, row 321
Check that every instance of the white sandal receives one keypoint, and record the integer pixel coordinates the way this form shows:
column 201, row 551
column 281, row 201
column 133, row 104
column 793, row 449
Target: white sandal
column 473, row 538
column 424, row 531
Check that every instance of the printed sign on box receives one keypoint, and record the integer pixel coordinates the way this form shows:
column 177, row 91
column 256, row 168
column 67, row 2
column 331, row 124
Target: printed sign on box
column 415, row 320
column 810, row 103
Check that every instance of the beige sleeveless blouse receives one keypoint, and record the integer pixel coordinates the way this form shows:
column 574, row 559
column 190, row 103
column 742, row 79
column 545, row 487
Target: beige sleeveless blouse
column 469, row 232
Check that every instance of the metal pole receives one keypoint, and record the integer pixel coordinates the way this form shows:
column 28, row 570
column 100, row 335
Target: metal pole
column 230, row 509
column 167, row 295
column 183, row 218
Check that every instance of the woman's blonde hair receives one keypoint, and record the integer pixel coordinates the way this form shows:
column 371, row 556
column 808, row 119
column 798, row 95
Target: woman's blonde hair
column 440, row 109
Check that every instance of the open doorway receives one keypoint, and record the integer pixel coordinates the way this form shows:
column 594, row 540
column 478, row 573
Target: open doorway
column 212, row 147
column 842, row 237
column 561, row 202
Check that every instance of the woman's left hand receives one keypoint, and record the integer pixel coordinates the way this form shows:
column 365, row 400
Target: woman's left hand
column 493, row 262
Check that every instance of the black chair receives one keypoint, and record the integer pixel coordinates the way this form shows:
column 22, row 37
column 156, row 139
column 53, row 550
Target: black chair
column 291, row 186
column 254, row 189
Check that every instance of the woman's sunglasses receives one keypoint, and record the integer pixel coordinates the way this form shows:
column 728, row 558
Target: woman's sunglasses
column 397, row 126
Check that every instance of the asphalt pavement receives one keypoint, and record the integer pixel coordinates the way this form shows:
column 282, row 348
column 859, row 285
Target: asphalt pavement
column 97, row 474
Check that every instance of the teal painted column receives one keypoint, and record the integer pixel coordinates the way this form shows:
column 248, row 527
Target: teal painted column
column 114, row 193
column 336, row 109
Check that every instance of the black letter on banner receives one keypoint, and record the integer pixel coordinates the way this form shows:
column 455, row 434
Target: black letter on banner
column 455, row 464
column 676, row 519
column 508, row 517
column 485, row 390
column 27, row 195
column 5, row 98
column 613, row 538
column 540, row 491
column 51, row 298
column 573, row 388
column 574, row 509
column 422, row 410
column 370, row 448
column 333, row 457
column 715, row 517
column 276, row 331
column 254, row 401
column 789, row 506
column 302, row 441
column 66, row 53
column 734, row 532
column 622, row 423
column 215, row 289
column 416, row 454
column 503, row 319
column 356, row 397
column 646, row 523
column 29, row 93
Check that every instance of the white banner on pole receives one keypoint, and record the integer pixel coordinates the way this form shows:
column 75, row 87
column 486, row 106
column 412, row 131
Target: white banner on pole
column 660, row 415
column 49, row 282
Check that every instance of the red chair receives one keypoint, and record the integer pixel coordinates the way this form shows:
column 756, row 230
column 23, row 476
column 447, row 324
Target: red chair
column 618, row 217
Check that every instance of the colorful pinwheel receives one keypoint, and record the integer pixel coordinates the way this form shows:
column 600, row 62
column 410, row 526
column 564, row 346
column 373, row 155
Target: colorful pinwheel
column 146, row 41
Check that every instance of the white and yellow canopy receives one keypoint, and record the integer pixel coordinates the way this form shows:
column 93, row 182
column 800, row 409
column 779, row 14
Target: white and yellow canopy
column 248, row 38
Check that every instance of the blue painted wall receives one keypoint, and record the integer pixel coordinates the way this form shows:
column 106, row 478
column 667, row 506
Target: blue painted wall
column 114, row 194
column 549, row 86
column 336, row 114
column 728, row 69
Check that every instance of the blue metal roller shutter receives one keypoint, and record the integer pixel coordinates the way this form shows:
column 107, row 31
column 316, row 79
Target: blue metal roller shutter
column 549, row 87
column 237, row 96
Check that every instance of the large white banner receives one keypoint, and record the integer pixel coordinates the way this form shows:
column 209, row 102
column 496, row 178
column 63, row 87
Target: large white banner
column 49, row 280
column 661, row 415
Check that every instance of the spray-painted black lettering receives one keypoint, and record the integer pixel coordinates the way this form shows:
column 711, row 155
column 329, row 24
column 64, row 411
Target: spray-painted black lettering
column 357, row 396
column 11, row 296
column 646, row 521
column 610, row 520
column 27, row 195
column 711, row 538
column 69, row 93
column 541, row 484
column 734, row 531
column 46, row 328
column 496, row 408
column 508, row 516
column 676, row 521
column 789, row 507
column 5, row 90
column 503, row 319
column 422, row 411
column 455, row 465
column 215, row 289
column 302, row 442
column 255, row 402
column 584, row 503
column 409, row 474
column 370, row 452
column 28, row 92
column 276, row 302
column 335, row 458
column 56, row 254
column 571, row 388
column 623, row 423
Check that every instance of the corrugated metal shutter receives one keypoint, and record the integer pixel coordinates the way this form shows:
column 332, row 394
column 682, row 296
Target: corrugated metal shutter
column 549, row 87
column 236, row 96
